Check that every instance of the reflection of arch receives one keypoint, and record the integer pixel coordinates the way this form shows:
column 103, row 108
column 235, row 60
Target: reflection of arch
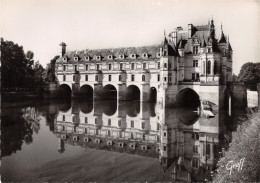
column 188, row 98
column 64, row 91
column 133, row 92
column 86, row 107
column 86, row 91
column 109, row 92
column 153, row 94
column 109, row 107
column 132, row 108
column 65, row 106
column 187, row 116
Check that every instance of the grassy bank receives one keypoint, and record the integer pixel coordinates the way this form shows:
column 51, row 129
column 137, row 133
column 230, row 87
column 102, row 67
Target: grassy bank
column 245, row 146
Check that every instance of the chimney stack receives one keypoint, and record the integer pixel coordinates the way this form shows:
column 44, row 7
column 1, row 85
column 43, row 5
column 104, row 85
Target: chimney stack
column 63, row 48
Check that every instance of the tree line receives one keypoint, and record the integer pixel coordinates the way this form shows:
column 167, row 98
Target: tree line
column 19, row 70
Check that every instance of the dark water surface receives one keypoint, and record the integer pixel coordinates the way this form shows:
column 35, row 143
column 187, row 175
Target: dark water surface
column 110, row 141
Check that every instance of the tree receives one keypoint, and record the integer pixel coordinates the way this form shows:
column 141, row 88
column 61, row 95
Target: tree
column 49, row 73
column 18, row 69
column 249, row 73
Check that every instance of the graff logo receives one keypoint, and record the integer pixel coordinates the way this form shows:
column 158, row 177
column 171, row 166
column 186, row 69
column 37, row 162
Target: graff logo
column 231, row 165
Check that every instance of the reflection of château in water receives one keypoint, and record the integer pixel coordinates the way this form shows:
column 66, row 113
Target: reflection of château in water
column 185, row 144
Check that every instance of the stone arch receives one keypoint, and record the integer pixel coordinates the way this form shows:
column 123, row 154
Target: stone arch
column 64, row 91
column 153, row 94
column 109, row 92
column 133, row 92
column 187, row 97
column 86, row 92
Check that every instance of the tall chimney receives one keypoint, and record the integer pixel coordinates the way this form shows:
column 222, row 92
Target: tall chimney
column 63, row 48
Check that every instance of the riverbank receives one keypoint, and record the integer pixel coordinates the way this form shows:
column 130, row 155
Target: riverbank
column 240, row 163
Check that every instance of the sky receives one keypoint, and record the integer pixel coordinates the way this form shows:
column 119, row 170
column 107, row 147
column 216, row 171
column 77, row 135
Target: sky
column 41, row 25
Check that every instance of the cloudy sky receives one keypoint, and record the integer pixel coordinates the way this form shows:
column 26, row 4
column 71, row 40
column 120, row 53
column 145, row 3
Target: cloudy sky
column 40, row 25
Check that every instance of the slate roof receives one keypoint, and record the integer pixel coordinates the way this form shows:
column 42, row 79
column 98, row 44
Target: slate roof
column 222, row 38
column 152, row 52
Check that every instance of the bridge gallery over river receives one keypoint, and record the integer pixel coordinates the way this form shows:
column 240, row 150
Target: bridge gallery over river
column 188, row 67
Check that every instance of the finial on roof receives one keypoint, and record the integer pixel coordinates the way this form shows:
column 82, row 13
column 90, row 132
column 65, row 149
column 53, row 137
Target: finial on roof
column 164, row 33
column 221, row 25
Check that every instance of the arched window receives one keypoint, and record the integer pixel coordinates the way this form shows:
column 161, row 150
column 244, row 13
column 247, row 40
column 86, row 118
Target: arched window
column 215, row 68
column 209, row 67
column 143, row 77
column 96, row 77
column 120, row 78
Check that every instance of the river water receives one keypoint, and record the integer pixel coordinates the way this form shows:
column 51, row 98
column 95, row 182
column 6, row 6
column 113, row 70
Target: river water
column 110, row 141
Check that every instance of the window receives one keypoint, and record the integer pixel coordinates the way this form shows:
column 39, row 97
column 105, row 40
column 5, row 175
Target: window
column 96, row 77
column 63, row 118
column 164, row 134
column 144, row 65
column 209, row 50
column 165, row 79
column 170, row 66
column 74, row 118
column 195, row 163
column 132, row 77
column 120, row 135
column 158, row 65
column 86, row 130
column 195, row 149
column 96, row 121
column 86, row 78
column 109, row 122
column 109, row 77
column 215, row 68
column 119, row 123
column 76, row 58
column 170, row 78
column 109, row 66
column 98, row 67
column 96, row 132
column 209, row 67
column 75, row 67
column 164, row 148
column 143, row 77
column 195, row 49
column 158, row 126
column 208, row 149
column 132, row 66
column 132, row 135
column 132, row 124
column 165, row 65
column 197, row 76
column 158, row 77
column 143, row 125
column 195, row 63
column 120, row 78
column 86, row 120
column 63, row 128
column 121, row 66
column 143, row 136
column 193, row 76
column 64, row 77
column 74, row 78
column 108, row 133
column 64, row 68
column 86, row 67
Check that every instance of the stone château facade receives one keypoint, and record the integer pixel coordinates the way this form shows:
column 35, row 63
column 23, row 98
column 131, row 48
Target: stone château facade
column 188, row 61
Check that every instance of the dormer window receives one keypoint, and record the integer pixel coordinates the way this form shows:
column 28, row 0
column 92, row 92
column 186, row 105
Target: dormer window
column 195, row 49
column 110, row 57
column 87, row 58
column 133, row 55
column 98, row 57
column 122, row 56
column 145, row 55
